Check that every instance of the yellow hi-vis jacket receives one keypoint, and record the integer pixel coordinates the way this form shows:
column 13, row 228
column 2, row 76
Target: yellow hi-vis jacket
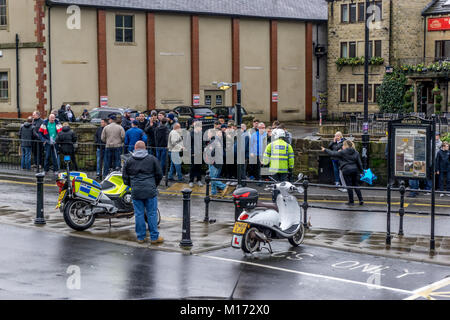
column 280, row 155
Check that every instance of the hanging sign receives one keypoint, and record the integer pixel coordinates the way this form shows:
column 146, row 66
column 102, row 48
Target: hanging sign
column 103, row 101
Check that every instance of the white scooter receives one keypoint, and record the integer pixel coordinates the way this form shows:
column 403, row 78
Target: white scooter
column 260, row 222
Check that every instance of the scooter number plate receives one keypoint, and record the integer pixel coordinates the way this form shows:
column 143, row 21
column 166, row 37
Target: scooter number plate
column 60, row 198
column 240, row 227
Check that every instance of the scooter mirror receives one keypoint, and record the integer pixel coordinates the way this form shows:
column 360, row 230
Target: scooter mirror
column 300, row 176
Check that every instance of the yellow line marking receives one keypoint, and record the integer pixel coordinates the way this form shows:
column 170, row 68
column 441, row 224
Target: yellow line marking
column 427, row 291
column 27, row 183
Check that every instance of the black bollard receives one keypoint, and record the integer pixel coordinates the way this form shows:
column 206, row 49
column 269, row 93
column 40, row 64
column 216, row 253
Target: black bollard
column 388, row 225
column 305, row 202
column 186, row 241
column 40, row 219
column 207, row 198
column 401, row 211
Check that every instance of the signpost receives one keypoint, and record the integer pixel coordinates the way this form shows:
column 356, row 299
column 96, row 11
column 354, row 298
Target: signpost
column 411, row 155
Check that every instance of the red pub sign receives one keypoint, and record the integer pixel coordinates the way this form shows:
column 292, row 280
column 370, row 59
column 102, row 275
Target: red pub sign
column 439, row 24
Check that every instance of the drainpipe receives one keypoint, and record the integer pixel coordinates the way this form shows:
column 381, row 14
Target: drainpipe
column 50, row 59
column 424, row 39
column 17, row 77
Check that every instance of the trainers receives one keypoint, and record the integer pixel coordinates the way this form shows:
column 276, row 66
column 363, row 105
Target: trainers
column 228, row 183
column 141, row 241
column 157, row 241
column 191, row 184
column 342, row 190
column 441, row 195
column 428, row 194
column 199, row 183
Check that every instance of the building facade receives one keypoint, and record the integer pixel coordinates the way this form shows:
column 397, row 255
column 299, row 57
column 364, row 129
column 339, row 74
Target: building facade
column 162, row 54
column 396, row 36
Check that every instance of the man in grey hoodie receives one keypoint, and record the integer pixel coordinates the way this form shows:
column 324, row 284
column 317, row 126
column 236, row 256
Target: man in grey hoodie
column 142, row 172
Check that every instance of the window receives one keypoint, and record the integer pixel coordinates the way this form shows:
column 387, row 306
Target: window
column 377, row 52
column 370, row 93
column 376, row 86
column 360, row 93
column 344, row 50
column 352, row 49
column 3, row 13
column 4, row 85
column 442, row 49
column 370, row 49
column 361, row 12
column 353, row 13
column 343, row 93
column 351, row 93
column 124, row 29
column 208, row 100
column 344, row 13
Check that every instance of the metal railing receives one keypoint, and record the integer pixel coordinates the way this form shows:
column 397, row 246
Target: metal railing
column 306, row 205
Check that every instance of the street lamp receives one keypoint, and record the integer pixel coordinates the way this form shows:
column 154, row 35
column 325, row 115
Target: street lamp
column 237, row 111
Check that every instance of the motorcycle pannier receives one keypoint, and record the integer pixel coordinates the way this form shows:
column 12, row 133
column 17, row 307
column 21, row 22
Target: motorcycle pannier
column 245, row 198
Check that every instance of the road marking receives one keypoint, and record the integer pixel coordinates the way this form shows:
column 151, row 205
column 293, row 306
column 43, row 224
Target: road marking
column 427, row 291
column 27, row 183
column 313, row 275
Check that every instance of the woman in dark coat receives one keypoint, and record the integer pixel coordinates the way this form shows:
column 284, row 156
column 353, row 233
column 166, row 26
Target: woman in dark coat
column 351, row 166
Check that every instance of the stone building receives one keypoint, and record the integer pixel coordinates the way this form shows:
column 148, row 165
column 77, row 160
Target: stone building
column 147, row 53
column 396, row 36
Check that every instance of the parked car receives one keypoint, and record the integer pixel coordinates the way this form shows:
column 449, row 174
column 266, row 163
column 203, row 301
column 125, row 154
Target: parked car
column 202, row 113
column 227, row 112
column 98, row 114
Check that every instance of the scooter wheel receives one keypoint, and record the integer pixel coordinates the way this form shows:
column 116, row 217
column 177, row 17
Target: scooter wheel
column 250, row 243
column 298, row 238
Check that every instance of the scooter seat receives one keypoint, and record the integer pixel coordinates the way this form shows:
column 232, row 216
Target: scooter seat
column 267, row 205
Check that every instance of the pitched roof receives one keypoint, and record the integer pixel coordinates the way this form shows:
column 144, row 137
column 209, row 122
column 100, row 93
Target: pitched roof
column 311, row 10
column 437, row 7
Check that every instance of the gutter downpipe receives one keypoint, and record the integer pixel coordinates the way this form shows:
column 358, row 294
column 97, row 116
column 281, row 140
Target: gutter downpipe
column 50, row 59
column 17, row 77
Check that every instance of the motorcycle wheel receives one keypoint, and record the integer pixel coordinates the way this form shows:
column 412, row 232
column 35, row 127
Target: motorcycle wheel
column 298, row 238
column 250, row 243
column 159, row 217
column 74, row 217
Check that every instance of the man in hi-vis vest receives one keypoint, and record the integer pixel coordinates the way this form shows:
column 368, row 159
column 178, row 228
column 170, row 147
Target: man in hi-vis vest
column 280, row 155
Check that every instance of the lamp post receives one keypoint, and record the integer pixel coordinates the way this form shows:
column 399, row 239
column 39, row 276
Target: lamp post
column 238, row 114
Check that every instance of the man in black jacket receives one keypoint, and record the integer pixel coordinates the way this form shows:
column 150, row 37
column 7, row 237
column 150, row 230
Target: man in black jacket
column 38, row 148
column 143, row 174
column 161, row 142
column 26, row 136
column 100, row 147
column 66, row 140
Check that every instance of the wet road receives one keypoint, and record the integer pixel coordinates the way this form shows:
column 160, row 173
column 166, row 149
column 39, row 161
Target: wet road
column 23, row 195
column 42, row 265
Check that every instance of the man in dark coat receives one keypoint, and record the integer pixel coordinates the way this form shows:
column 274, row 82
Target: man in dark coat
column 126, row 120
column 66, row 140
column 161, row 142
column 100, row 147
column 26, row 136
column 143, row 174
column 38, row 147
column 443, row 167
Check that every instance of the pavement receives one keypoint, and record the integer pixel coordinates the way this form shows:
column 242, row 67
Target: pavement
column 207, row 237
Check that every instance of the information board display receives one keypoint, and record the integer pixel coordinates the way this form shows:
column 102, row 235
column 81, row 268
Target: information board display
column 410, row 147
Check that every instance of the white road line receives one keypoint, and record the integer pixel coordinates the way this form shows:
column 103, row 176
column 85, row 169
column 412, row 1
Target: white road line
column 365, row 284
column 425, row 291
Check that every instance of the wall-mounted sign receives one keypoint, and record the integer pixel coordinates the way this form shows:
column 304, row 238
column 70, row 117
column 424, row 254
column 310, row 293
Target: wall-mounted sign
column 389, row 69
column 196, row 100
column 275, row 96
column 439, row 24
column 103, row 101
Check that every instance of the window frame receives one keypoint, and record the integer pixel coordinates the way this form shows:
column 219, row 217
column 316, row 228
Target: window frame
column 380, row 5
column 363, row 5
column 8, row 74
column 344, row 43
column 353, row 92
column 355, row 8
column 123, row 29
column 6, row 26
column 375, row 87
column 355, row 49
column 342, row 13
column 359, row 93
column 342, row 86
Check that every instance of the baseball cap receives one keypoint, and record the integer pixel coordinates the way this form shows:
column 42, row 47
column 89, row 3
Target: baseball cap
column 112, row 116
column 135, row 122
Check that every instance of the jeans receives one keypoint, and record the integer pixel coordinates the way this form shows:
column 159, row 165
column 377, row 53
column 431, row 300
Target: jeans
column 443, row 175
column 100, row 156
column 25, row 162
column 215, row 173
column 151, row 205
column 161, row 154
column 414, row 184
column 175, row 167
column 50, row 152
column 337, row 178
column 112, row 159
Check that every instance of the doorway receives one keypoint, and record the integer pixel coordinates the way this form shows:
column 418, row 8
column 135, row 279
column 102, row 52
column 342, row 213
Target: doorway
column 214, row 98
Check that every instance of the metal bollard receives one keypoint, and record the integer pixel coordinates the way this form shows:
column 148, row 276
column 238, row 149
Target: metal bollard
column 40, row 219
column 186, row 241
column 207, row 198
column 401, row 211
column 388, row 225
column 305, row 202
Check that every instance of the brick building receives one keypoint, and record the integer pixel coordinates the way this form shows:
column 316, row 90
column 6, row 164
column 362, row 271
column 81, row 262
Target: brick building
column 149, row 53
column 398, row 36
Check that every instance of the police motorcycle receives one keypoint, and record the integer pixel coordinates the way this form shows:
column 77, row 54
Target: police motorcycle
column 82, row 200
column 261, row 222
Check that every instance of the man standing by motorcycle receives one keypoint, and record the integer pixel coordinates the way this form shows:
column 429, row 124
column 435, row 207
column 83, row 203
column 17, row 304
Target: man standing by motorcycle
column 142, row 172
column 280, row 155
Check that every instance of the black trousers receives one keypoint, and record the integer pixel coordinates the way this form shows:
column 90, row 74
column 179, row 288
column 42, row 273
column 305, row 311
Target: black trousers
column 196, row 171
column 37, row 148
column 352, row 180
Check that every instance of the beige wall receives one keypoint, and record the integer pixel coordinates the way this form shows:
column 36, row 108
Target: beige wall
column 127, row 73
column 74, row 60
column 255, row 67
column 291, row 71
column 215, row 55
column 23, row 11
column 173, row 60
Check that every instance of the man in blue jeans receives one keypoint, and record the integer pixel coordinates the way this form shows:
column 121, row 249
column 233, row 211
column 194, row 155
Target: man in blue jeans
column 142, row 172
